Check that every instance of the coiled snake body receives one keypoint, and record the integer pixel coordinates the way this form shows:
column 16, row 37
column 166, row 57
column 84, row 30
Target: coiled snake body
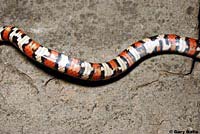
column 99, row 71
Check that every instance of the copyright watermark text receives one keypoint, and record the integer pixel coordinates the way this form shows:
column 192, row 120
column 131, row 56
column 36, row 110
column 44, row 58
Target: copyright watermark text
column 183, row 132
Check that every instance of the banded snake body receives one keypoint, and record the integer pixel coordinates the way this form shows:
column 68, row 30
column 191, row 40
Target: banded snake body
column 99, row 71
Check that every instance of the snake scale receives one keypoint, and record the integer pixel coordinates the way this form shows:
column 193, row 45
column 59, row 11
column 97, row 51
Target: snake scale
column 99, row 71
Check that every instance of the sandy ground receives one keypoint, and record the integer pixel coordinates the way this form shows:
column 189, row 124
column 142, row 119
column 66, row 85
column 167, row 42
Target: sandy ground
column 154, row 98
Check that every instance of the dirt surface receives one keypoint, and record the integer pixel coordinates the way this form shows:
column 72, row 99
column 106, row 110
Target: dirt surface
column 154, row 98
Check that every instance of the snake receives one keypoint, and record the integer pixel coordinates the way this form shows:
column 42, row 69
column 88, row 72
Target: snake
column 77, row 68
